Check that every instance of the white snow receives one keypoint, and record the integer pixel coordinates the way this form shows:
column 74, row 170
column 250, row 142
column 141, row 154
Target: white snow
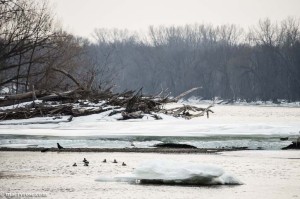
column 227, row 120
column 19, row 145
column 281, row 102
column 171, row 172
column 37, row 120
column 4, row 90
column 21, row 105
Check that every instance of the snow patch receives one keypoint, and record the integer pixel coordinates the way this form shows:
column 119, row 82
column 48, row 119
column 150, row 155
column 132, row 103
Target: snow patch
column 18, row 146
column 239, row 102
column 36, row 120
column 177, row 173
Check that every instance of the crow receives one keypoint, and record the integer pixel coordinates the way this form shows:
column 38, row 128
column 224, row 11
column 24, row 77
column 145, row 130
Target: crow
column 59, row 147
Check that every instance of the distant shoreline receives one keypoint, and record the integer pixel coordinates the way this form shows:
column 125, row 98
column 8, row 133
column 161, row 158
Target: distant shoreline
column 127, row 150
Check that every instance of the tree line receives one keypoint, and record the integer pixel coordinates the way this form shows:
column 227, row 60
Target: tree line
column 261, row 63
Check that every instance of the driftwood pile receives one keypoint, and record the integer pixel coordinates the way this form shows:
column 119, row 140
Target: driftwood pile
column 81, row 102
column 188, row 112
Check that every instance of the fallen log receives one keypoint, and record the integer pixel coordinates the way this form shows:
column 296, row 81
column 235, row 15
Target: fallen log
column 155, row 116
column 68, row 75
column 41, row 110
column 174, row 145
column 13, row 102
column 133, row 115
column 53, row 121
column 186, row 93
column 84, row 112
column 80, row 102
column 186, row 111
column 27, row 95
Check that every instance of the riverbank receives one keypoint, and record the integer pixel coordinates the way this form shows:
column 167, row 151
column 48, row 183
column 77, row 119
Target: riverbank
column 227, row 120
column 122, row 150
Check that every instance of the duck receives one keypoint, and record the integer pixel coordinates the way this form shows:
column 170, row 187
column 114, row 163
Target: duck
column 123, row 164
column 104, row 161
column 115, row 161
column 75, row 165
column 85, row 160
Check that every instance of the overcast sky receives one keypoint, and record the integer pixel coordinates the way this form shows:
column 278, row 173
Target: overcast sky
column 82, row 17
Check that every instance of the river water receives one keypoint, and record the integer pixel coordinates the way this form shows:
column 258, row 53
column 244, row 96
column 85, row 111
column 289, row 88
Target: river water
column 255, row 127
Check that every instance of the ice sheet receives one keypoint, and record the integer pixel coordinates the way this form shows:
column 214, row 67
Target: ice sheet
column 177, row 173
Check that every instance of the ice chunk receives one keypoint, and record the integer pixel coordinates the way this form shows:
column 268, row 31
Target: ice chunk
column 171, row 172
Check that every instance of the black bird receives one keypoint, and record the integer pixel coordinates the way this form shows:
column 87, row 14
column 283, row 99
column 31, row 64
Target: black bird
column 75, row 165
column 59, row 147
column 44, row 150
column 104, row 161
column 85, row 160
column 115, row 161
column 123, row 164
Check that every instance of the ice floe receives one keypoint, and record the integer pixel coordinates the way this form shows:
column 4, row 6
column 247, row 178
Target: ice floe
column 175, row 173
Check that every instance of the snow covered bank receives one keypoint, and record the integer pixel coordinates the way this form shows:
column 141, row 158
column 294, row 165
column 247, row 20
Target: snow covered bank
column 18, row 145
column 177, row 173
column 227, row 120
column 281, row 102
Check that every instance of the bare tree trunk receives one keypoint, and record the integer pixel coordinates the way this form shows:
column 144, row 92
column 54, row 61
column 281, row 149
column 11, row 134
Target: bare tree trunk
column 68, row 75
column 29, row 67
column 18, row 73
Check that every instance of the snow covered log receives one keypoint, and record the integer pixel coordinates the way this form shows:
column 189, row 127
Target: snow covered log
column 27, row 95
column 188, row 112
column 131, row 105
column 41, row 110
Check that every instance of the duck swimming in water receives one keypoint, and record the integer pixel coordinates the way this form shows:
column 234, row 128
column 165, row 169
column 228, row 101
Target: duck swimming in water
column 115, row 161
column 123, row 164
column 104, row 161
column 75, row 165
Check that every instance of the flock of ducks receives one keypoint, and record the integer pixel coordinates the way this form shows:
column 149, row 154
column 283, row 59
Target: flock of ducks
column 86, row 162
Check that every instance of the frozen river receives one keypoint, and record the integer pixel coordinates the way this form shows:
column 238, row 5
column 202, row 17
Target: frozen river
column 231, row 125
column 264, row 174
